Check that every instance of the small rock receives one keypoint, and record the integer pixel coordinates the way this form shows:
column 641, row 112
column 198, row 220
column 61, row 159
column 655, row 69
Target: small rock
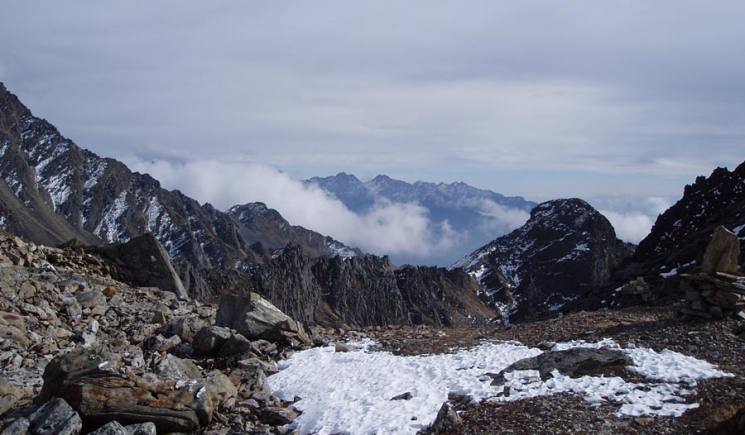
column 405, row 396
column 447, row 420
column 141, row 429
column 277, row 416
column 110, row 428
column 341, row 347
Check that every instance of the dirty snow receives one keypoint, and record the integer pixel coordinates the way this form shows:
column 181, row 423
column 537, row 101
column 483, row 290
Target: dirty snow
column 350, row 392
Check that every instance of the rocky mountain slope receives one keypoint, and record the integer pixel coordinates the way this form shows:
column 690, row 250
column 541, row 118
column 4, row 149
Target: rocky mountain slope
column 52, row 190
column 564, row 250
column 680, row 234
column 474, row 215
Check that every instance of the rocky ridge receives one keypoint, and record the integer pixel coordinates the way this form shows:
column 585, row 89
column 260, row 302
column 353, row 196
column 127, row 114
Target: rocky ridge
column 680, row 235
column 361, row 291
column 565, row 250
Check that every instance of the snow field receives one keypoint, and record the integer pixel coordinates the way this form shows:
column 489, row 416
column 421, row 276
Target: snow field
column 350, row 392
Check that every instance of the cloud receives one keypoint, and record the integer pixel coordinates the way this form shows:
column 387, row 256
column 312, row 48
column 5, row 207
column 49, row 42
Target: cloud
column 500, row 219
column 389, row 228
column 632, row 217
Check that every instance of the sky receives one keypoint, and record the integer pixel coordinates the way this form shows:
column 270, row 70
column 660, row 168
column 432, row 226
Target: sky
column 622, row 103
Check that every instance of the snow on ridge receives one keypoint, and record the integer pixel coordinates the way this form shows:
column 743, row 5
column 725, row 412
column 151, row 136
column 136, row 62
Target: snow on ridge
column 357, row 399
column 108, row 227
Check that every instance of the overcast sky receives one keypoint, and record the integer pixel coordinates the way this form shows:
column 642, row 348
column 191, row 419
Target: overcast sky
column 538, row 98
column 542, row 98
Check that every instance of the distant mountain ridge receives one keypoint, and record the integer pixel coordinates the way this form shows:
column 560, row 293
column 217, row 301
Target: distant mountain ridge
column 475, row 215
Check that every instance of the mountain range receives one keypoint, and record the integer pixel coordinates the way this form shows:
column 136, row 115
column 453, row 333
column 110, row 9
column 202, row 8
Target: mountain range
column 464, row 216
column 566, row 255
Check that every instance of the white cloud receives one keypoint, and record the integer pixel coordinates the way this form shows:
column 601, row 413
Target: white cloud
column 389, row 228
column 632, row 218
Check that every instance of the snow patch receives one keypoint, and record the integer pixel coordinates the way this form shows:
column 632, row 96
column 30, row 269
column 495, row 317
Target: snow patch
column 357, row 398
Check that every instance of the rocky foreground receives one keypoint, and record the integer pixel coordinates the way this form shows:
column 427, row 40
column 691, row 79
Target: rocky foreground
column 80, row 351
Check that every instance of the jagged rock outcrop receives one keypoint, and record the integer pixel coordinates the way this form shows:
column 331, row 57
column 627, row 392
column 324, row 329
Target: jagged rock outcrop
column 440, row 297
column 362, row 290
column 565, row 250
column 681, row 234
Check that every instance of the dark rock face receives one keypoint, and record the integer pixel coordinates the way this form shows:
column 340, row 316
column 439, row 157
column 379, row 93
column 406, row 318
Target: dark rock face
column 146, row 264
column 681, row 234
column 441, row 297
column 564, row 251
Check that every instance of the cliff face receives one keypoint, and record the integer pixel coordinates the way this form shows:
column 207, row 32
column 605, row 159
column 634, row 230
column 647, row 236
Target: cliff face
column 565, row 250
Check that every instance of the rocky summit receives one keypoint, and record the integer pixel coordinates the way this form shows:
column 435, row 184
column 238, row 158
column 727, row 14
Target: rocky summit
column 565, row 250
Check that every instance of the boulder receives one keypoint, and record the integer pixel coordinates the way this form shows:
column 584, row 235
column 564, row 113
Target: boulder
column 574, row 362
column 93, row 382
column 256, row 318
column 404, row 396
column 210, row 339
column 722, row 253
column 18, row 427
column 55, row 417
column 148, row 263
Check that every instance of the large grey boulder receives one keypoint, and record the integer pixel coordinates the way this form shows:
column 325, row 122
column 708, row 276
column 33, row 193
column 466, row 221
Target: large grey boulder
column 56, row 417
column 256, row 318
column 574, row 362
